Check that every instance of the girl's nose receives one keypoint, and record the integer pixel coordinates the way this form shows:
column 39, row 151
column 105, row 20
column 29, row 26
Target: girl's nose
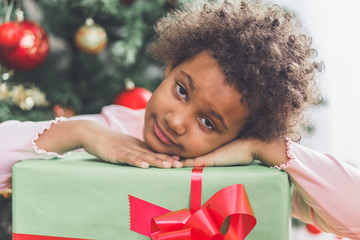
column 176, row 122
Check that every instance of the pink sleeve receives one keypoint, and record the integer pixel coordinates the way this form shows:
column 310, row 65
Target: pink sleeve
column 17, row 139
column 18, row 142
column 326, row 193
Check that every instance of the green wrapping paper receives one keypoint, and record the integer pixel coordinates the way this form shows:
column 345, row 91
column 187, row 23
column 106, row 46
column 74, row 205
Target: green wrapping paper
column 83, row 197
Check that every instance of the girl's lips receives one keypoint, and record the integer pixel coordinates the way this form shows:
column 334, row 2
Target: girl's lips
column 160, row 135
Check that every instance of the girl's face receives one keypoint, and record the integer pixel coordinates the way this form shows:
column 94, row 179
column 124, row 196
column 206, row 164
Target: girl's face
column 194, row 110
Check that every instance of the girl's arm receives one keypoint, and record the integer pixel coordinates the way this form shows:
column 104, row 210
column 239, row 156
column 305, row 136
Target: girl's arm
column 49, row 139
column 326, row 193
column 243, row 152
column 103, row 142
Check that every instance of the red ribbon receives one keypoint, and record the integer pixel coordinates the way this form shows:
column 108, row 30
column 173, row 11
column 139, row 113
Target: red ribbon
column 227, row 209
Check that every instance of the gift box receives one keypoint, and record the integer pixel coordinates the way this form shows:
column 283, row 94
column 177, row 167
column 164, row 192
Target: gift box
column 81, row 197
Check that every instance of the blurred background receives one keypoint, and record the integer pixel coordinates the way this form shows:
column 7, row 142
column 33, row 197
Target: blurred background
column 84, row 50
column 335, row 29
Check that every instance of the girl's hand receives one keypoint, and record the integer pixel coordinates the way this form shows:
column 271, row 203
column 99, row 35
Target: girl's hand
column 116, row 147
column 237, row 152
column 243, row 152
column 103, row 142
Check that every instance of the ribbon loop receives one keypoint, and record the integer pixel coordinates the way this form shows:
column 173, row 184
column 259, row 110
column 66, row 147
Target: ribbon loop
column 172, row 221
column 203, row 222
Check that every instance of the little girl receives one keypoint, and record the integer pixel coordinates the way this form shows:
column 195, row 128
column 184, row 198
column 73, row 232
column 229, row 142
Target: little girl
column 238, row 77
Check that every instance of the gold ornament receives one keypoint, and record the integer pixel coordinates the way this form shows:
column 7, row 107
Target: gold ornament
column 90, row 37
column 25, row 98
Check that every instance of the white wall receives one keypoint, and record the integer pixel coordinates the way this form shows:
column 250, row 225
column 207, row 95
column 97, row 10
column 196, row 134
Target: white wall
column 335, row 28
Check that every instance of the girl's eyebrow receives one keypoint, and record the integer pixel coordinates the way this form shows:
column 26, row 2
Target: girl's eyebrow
column 219, row 117
column 188, row 77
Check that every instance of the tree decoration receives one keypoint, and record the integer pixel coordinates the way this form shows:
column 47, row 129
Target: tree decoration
column 25, row 98
column 133, row 97
column 24, row 44
column 91, row 38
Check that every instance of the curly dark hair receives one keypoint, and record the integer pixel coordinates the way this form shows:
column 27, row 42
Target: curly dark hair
column 263, row 52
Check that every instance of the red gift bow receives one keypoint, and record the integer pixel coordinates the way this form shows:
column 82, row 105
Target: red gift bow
column 200, row 223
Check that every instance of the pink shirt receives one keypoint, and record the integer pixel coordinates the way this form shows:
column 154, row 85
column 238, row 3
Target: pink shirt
column 326, row 193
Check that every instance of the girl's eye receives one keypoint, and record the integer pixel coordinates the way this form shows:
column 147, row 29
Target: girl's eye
column 181, row 91
column 207, row 123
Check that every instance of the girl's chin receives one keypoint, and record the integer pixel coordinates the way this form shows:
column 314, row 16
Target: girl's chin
column 158, row 148
column 164, row 150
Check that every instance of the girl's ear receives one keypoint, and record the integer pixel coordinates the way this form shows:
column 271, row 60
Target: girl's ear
column 169, row 68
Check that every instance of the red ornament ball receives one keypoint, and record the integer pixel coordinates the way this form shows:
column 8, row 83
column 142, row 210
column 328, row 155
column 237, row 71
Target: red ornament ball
column 133, row 97
column 24, row 45
column 311, row 228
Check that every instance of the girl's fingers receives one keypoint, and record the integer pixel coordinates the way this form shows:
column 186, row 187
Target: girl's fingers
column 161, row 160
column 174, row 160
column 137, row 154
column 142, row 147
column 145, row 159
column 131, row 159
column 158, row 159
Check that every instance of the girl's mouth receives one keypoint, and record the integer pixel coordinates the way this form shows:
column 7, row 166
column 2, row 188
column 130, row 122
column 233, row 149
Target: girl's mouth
column 161, row 135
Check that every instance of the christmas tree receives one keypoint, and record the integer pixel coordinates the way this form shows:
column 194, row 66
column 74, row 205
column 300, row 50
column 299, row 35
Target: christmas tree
column 93, row 46
column 81, row 53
